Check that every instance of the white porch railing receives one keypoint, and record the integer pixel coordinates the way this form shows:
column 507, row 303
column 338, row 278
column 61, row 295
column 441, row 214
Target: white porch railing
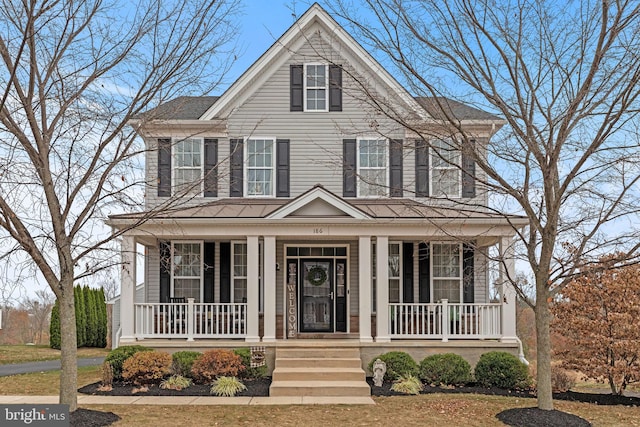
column 190, row 320
column 445, row 320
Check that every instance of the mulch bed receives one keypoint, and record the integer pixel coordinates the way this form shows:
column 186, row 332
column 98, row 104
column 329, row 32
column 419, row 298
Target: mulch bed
column 87, row 418
column 534, row 417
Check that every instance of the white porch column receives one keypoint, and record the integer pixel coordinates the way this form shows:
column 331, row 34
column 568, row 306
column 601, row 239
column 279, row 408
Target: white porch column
column 508, row 294
column 382, row 289
column 269, row 289
column 364, row 286
column 253, row 274
column 127, row 289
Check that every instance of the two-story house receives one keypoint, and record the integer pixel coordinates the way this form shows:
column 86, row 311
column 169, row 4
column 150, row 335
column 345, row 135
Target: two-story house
column 306, row 216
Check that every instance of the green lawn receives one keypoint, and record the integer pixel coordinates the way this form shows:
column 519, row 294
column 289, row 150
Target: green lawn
column 37, row 353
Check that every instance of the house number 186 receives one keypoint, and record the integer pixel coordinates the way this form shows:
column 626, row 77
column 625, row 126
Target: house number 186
column 318, row 231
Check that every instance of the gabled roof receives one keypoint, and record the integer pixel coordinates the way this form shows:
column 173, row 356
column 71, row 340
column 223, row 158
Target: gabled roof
column 301, row 204
column 285, row 47
column 437, row 106
column 181, row 108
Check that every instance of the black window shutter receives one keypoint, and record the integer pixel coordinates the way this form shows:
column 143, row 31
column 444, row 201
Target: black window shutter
column 237, row 165
column 225, row 272
column 424, row 273
column 282, row 168
column 467, row 274
column 349, row 171
column 164, row 167
column 395, row 167
column 296, row 84
column 209, row 262
column 335, row 88
column 165, row 274
column 468, row 170
column 422, row 168
column 210, row 167
column 407, row 272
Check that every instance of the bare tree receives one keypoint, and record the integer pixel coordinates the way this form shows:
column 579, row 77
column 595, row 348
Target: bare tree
column 566, row 83
column 39, row 310
column 74, row 74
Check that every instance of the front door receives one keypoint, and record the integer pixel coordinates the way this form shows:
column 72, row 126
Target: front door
column 317, row 295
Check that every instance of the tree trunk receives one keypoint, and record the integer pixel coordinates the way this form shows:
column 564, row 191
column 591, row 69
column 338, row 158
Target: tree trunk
column 543, row 347
column 69, row 348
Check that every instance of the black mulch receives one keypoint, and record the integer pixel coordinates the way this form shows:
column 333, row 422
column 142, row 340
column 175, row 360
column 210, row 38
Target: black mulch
column 259, row 387
column 88, row 418
column 534, row 417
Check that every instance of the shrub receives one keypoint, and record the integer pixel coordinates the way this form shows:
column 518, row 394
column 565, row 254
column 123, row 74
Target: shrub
column 249, row 372
column 562, row 380
column 398, row 363
column 116, row 357
column 183, row 361
column 501, row 369
column 447, row 369
column 227, row 386
column 175, row 382
column 408, row 385
column 147, row 367
column 216, row 363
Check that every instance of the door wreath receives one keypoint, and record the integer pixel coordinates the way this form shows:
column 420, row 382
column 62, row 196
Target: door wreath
column 316, row 275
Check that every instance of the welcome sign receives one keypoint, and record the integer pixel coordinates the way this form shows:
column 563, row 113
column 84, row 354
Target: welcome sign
column 292, row 308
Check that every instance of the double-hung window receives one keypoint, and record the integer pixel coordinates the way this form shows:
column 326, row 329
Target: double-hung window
column 395, row 277
column 316, row 87
column 188, row 166
column 239, row 270
column 260, row 167
column 446, row 178
column 187, row 270
column 446, row 259
column 373, row 171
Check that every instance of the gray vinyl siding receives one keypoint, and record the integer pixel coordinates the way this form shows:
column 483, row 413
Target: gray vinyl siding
column 481, row 278
column 153, row 275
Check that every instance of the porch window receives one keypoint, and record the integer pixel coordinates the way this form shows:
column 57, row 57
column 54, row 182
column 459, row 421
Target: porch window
column 446, row 259
column 395, row 274
column 446, row 172
column 187, row 166
column 239, row 273
column 260, row 165
column 373, row 172
column 316, row 91
column 187, row 270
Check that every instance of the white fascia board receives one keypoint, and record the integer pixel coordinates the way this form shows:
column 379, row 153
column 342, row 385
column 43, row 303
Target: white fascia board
column 315, row 194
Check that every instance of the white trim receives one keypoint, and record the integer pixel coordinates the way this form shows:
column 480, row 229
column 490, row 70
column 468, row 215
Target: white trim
column 326, row 87
column 174, row 142
column 284, row 48
column 201, row 277
column 245, row 166
column 374, row 254
column 432, row 276
column 386, row 167
column 457, row 168
column 260, row 273
column 315, row 194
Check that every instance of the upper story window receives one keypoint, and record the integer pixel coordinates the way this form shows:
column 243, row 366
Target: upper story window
column 446, row 180
column 260, row 167
column 373, row 171
column 315, row 87
column 188, row 165
column 446, row 259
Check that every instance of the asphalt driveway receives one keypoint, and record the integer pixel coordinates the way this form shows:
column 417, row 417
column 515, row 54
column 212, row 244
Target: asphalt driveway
column 49, row 365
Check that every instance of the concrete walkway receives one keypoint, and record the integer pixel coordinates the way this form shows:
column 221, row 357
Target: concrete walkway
column 192, row 400
column 48, row 365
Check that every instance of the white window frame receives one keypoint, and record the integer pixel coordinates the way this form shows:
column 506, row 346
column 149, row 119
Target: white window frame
column 174, row 276
column 460, row 269
column 260, row 273
column 385, row 167
column 325, row 87
column 433, row 154
column 374, row 281
column 174, row 144
column 272, row 167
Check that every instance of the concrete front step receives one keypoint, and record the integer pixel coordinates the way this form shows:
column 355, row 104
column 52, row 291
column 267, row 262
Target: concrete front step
column 324, row 362
column 318, row 353
column 318, row 374
column 319, row 388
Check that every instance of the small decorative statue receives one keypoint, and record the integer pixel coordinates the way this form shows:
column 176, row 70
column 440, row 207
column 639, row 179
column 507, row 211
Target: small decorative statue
column 379, row 369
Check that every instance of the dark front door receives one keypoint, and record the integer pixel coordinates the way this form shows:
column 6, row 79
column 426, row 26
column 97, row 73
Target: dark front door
column 317, row 295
